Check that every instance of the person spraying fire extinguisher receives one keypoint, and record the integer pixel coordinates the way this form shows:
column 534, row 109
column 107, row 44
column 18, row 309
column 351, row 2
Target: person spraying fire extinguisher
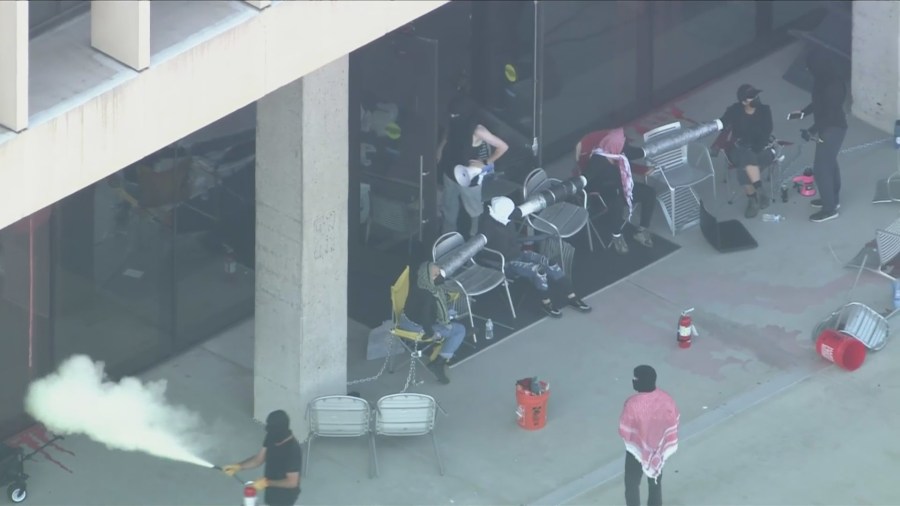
column 283, row 458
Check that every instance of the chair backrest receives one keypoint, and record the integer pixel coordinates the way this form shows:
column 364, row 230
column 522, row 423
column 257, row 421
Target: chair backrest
column 445, row 244
column 399, row 293
column 405, row 415
column 536, row 182
column 670, row 159
column 339, row 416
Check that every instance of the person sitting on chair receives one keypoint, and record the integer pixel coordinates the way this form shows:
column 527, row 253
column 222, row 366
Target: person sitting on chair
column 750, row 122
column 428, row 305
column 502, row 236
column 604, row 157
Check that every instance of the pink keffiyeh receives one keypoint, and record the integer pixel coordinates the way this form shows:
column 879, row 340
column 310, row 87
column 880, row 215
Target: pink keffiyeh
column 611, row 146
column 649, row 427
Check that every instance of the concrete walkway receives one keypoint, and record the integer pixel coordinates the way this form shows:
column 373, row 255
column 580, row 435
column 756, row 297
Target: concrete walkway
column 751, row 389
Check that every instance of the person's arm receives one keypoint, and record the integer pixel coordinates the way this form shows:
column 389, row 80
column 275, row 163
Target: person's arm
column 808, row 110
column 768, row 126
column 441, row 143
column 632, row 153
column 500, row 147
column 727, row 118
column 250, row 463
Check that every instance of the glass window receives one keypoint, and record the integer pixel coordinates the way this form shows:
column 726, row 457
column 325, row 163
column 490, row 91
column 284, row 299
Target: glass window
column 589, row 63
column 215, row 228
column 785, row 12
column 113, row 281
column 688, row 35
column 24, row 313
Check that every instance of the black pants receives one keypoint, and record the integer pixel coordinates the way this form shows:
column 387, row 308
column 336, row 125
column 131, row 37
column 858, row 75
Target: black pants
column 633, row 474
column 826, row 169
column 614, row 197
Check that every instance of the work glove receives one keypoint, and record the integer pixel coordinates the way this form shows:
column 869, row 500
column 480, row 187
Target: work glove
column 261, row 484
column 231, row 469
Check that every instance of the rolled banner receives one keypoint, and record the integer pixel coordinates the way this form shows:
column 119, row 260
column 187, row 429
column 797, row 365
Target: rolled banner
column 467, row 176
column 559, row 192
column 453, row 260
column 680, row 138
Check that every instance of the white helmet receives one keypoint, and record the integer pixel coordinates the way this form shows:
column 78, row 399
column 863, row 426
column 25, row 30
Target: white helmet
column 501, row 208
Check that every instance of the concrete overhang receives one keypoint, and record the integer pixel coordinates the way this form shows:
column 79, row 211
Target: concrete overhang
column 130, row 114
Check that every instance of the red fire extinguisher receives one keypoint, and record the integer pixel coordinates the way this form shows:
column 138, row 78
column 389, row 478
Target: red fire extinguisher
column 249, row 494
column 686, row 330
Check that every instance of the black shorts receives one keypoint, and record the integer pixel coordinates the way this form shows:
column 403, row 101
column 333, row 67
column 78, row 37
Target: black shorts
column 741, row 157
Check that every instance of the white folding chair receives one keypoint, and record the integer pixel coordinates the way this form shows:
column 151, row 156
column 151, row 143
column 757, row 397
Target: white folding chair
column 338, row 416
column 562, row 219
column 402, row 415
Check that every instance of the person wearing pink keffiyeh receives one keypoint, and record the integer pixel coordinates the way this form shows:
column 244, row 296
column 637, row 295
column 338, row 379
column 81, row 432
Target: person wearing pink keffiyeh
column 604, row 158
column 649, row 427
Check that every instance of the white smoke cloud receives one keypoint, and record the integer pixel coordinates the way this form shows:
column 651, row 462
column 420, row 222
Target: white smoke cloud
column 128, row 415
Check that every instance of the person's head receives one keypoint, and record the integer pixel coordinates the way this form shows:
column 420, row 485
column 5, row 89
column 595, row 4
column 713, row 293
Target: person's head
column 436, row 274
column 500, row 209
column 748, row 95
column 278, row 425
column 644, row 379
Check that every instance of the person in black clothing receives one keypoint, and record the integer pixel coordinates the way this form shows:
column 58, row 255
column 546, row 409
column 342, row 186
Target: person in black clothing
column 283, row 458
column 750, row 122
column 830, row 125
column 428, row 306
column 603, row 158
column 465, row 143
column 502, row 236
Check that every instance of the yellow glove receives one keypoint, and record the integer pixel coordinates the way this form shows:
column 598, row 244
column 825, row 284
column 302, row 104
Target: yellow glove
column 261, row 484
column 231, row 469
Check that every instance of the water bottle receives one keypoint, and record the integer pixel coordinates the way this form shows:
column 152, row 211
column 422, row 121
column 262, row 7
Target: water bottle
column 772, row 218
column 489, row 329
column 896, row 286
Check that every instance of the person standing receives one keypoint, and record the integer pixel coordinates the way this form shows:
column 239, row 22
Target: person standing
column 830, row 125
column 649, row 427
column 283, row 458
column 466, row 143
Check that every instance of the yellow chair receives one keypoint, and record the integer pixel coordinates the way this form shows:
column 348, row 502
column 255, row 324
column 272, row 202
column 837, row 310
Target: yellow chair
column 416, row 342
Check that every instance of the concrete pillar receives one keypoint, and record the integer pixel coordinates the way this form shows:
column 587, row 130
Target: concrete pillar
column 259, row 4
column 14, row 65
column 301, row 243
column 121, row 29
column 875, row 80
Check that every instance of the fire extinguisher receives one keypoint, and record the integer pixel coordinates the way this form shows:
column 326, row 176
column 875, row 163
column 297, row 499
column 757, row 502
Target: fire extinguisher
column 686, row 329
column 249, row 494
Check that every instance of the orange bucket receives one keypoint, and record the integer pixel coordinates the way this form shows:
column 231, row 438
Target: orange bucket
column 845, row 351
column 532, row 409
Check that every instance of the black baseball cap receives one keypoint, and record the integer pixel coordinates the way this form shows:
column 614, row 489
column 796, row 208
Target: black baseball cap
column 747, row 91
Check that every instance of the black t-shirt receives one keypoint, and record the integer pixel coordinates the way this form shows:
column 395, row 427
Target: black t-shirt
column 281, row 459
column 749, row 130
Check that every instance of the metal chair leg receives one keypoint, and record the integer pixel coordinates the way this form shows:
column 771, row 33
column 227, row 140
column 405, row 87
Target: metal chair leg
column 374, row 455
column 512, row 308
column 373, row 464
column 437, row 454
column 309, row 441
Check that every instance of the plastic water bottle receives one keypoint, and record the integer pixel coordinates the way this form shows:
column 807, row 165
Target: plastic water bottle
column 896, row 286
column 772, row 218
column 489, row 329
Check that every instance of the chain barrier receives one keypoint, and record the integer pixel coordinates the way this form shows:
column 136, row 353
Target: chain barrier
column 410, row 377
column 864, row 146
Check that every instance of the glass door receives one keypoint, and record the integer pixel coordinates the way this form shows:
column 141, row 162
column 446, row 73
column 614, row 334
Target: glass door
column 393, row 138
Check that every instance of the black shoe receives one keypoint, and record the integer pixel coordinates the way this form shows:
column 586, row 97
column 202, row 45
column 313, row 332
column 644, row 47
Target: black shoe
column 817, row 203
column 438, row 366
column 551, row 310
column 579, row 305
column 821, row 216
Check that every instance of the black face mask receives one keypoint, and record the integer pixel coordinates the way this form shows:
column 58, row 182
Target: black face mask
column 438, row 281
column 755, row 102
column 278, row 425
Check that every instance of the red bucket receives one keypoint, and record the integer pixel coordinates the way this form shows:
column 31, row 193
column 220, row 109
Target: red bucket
column 532, row 409
column 845, row 351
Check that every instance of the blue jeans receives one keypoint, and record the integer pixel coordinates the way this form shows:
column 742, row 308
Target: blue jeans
column 453, row 334
column 537, row 269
